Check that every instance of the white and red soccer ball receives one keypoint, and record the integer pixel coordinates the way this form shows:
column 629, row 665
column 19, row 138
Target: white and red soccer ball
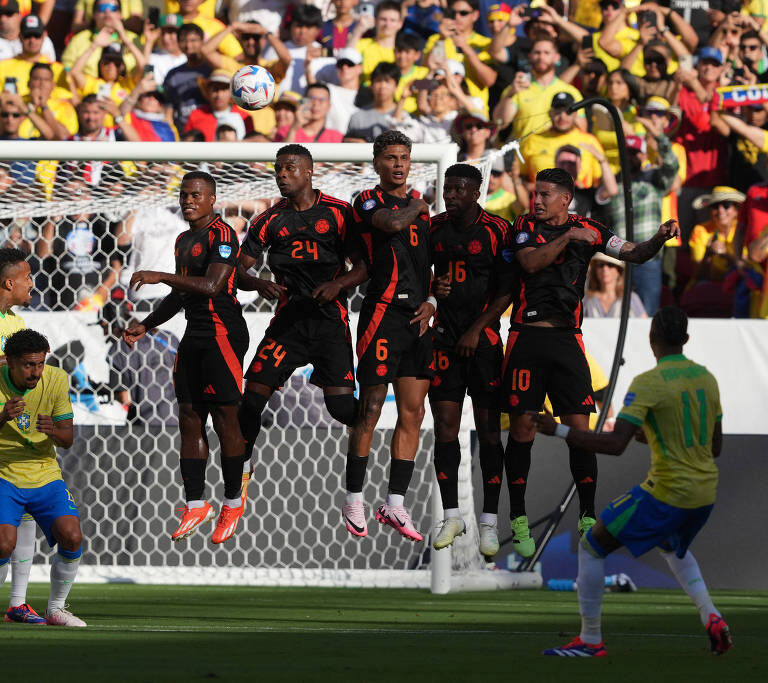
column 252, row 87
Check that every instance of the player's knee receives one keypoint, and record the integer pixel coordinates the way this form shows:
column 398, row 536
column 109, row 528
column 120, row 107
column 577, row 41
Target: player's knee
column 188, row 418
column 342, row 407
column 445, row 429
column 521, row 428
column 69, row 538
column 6, row 547
column 250, row 414
column 411, row 415
column 369, row 411
column 589, row 544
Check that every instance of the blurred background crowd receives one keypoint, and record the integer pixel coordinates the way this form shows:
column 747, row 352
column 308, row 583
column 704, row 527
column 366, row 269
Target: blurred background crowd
column 477, row 72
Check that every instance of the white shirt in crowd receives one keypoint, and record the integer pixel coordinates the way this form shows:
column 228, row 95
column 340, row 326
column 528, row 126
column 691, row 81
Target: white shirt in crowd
column 11, row 48
column 163, row 62
column 295, row 79
column 343, row 100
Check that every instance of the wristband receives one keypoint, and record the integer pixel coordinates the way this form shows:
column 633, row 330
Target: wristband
column 562, row 431
column 433, row 301
column 119, row 119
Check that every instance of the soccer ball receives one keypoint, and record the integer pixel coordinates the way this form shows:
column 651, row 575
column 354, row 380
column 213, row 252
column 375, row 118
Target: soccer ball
column 252, row 87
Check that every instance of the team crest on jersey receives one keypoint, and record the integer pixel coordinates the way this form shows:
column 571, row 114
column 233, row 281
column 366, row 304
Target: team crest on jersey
column 474, row 247
column 629, row 399
column 381, row 369
column 225, row 250
column 514, row 399
column 369, row 204
column 23, row 422
column 521, row 238
column 322, row 226
column 197, row 249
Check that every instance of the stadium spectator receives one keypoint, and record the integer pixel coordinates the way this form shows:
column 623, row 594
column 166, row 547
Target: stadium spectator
column 527, row 109
column 345, row 96
column 13, row 113
column 18, row 176
column 751, row 53
column 219, row 109
column 335, row 32
column 161, row 45
column 460, row 42
column 592, row 201
column 408, row 47
column 182, row 84
column 587, row 74
column 622, row 93
column 501, row 201
column 10, row 35
column 145, row 109
column 386, row 22
column 310, row 124
column 226, row 133
column 47, row 101
column 130, row 11
column 605, row 288
column 284, row 108
column 473, row 131
column 657, row 81
column 649, row 186
column 106, row 15
column 268, row 13
column 32, row 34
column 368, row 123
column 191, row 14
column 91, row 115
column 748, row 151
column 422, row 17
column 438, row 109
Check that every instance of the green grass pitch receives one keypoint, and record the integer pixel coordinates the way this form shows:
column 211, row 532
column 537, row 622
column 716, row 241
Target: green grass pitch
column 185, row 633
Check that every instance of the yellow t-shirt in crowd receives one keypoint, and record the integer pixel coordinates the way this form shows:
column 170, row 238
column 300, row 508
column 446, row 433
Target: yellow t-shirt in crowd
column 373, row 54
column 415, row 74
column 28, row 457
column 79, row 44
column 677, row 405
column 701, row 235
column 539, row 151
column 208, row 8
column 18, row 68
column 10, row 322
column 628, row 38
column 127, row 8
column 533, row 105
column 501, row 203
column 230, row 46
column 64, row 112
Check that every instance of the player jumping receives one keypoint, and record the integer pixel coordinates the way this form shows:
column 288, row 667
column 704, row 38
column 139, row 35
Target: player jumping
column 677, row 406
column 545, row 351
column 467, row 246
column 208, row 373
column 36, row 419
column 392, row 340
column 308, row 238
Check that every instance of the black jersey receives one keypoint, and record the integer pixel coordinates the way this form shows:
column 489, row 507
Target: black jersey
column 306, row 248
column 554, row 293
column 473, row 259
column 398, row 263
column 195, row 250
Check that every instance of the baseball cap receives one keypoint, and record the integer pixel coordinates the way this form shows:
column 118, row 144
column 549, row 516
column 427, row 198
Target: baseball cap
column 31, row 25
column 170, row 21
column 711, row 53
column 562, row 100
column 9, row 7
column 219, row 76
column 636, row 143
column 348, row 54
column 499, row 11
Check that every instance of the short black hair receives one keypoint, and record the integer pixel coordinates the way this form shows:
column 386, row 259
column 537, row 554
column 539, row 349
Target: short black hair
column 41, row 65
column 193, row 135
column 318, row 86
column 91, row 98
column 307, row 15
column 224, row 128
column 385, row 70
column 405, row 40
column 671, row 324
column 571, row 149
column 10, row 257
column 474, row 4
column 387, row 4
column 749, row 34
column 465, row 171
column 25, row 341
column 390, row 138
column 295, row 149
column 191, row 28
column 201, row 175
column 557, row 176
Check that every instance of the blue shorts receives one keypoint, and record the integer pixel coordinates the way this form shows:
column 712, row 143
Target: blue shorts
column 641, row 522
column 45, row 503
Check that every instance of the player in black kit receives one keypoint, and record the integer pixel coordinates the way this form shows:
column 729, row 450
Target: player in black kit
column 208, row 372
column 307, row 234
column 392, row 340
column 545, row 351
column 467, row 252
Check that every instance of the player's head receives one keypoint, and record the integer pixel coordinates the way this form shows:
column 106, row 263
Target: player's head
column 554, row 192
column 293, row 170
column 197, row 195
column 25, row 351
column 669, row 331
column 392, row 158
column 15, row 277
column 461, row 188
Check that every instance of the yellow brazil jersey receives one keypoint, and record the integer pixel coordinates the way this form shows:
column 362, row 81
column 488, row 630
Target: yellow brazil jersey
column 208, row 8
column 416, row 73
column 118, row 92
column 501, row 203
column 230, row 46
column 64, row 112
column 10, row 322
column 79, row 44
column 539, row 151
column 677, row 405
column 373, row 54
column 533, row 105
column 628, row 38
column 28, row 457
column 18, row 68
column 755, row 8
column 479, row 44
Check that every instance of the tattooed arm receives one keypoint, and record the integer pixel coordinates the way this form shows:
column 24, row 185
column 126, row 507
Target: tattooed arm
column 643, row 251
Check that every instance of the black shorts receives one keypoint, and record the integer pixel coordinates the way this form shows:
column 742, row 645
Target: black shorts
column 479, row 376
column 209, row 369
column 541, row 361
column 389, row 346
column 293, row 340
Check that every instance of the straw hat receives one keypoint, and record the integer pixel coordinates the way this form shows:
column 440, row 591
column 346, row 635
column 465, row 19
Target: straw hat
column 721, row 193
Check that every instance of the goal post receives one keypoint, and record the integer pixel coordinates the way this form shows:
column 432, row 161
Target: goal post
column 123, row 475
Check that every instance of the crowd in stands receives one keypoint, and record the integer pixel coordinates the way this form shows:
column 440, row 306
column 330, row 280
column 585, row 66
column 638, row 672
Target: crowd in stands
column 477, row 72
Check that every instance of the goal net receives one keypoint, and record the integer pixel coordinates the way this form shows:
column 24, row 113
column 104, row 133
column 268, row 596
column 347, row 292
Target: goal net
column 92, row 214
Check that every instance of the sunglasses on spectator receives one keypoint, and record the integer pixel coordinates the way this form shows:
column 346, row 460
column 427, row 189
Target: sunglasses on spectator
column 747, row 47
column 10, row 115
column 606, row 5
column 496, row 174
column 106, row 7
column 655, row 60
column 725, row 205
column 462, row 12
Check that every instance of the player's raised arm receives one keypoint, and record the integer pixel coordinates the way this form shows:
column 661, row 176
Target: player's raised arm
column 643, row 251
column 610, row 443
column 387, row 220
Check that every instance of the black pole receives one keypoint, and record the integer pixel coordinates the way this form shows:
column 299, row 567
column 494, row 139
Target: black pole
column 553, row 518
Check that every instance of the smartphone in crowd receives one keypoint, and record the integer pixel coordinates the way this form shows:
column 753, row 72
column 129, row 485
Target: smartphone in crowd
column 366, row 8
column 105, row 91
column 10, row 85
column 149, row 70
column 428, row 84
column 586, row 42
column 153, row 16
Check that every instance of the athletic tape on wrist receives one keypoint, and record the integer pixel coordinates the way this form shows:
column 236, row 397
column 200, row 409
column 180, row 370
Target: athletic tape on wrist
column 433, row 301
column 562, row 431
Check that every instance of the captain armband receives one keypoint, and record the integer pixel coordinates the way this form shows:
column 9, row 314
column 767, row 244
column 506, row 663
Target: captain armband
column 614, row 245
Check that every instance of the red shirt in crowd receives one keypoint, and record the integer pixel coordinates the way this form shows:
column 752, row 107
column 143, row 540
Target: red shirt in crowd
column 706, row 149
column 326, row 135
column 204, row 120
column 753, row 215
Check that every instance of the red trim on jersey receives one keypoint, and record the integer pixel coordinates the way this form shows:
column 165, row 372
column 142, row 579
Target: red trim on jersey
column 580, row 342
column 577, row 315
column 231, row 359
column 492, row 336
column 379, row 311
column 221, row 331
column 368, row 241
column 339, row 221
column 519, row 312
column 494, row 241
column 511, row 340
